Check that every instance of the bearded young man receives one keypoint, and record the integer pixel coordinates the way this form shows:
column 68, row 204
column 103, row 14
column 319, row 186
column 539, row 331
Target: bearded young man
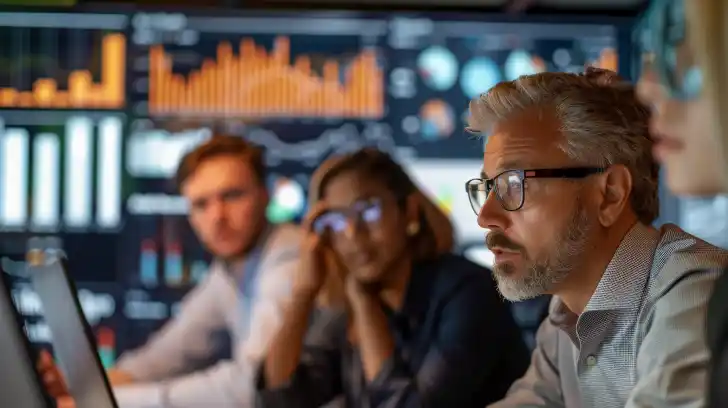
column 568, row 192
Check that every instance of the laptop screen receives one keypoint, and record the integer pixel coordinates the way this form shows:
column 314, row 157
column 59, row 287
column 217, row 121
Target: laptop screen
column 73, row 342
column 19, row 379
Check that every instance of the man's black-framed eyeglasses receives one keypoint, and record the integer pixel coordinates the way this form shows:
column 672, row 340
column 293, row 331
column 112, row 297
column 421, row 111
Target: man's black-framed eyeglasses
column 509, row 185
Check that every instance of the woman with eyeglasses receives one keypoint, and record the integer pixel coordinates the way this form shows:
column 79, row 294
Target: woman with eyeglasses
column 684, row 80
column 400, row 321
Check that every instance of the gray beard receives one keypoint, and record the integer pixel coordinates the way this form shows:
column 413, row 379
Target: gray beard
column 543, row 276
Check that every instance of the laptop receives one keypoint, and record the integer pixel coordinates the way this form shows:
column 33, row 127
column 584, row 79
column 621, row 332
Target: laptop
column 73, row 341
column 19, row 380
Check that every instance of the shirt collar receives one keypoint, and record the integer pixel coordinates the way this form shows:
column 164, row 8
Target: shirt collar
column 623, row 282
column 624, row 279
column 255, row 250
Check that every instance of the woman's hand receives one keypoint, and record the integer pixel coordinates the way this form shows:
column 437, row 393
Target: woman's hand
column 312, row 273
column 358, row 293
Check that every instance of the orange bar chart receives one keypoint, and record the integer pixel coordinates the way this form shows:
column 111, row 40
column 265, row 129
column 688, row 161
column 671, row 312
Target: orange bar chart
column 82, row 91
column 256, row 83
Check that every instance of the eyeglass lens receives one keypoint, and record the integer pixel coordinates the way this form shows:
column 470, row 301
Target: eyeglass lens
column 337, row 221
column 508, row 187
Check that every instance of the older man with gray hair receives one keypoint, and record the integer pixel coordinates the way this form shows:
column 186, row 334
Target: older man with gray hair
column 569, row 192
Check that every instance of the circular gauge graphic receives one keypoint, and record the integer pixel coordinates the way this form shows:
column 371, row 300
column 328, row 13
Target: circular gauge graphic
column 438, row 68
column 478, row 76
column 287, row 202
column 521, row 63
column 438, row 120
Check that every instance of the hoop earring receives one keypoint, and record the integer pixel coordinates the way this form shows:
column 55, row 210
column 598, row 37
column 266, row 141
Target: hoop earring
column 413, row 228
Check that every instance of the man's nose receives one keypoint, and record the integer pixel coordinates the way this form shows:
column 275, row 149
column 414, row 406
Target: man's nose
column 216, row 210
column 492, row 215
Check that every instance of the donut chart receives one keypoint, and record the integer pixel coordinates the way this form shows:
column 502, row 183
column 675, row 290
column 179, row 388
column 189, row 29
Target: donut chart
column 478, row 76
column 438, row 68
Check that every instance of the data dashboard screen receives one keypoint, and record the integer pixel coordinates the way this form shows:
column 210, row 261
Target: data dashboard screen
column 309, row 86
column 62, row 100
column 440, row 65
column 96, row 109
column 62, row 122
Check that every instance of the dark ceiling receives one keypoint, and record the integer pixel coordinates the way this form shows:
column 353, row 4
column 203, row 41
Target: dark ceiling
column 610, row 7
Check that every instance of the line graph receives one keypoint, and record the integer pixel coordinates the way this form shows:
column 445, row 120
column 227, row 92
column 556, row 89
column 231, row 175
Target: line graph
column 257, row 83
column 153, row 152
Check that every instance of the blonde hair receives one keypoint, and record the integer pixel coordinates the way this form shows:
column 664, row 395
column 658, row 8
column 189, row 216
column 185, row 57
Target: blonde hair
column 601, row 119
column 706, row 20
column 436, row 234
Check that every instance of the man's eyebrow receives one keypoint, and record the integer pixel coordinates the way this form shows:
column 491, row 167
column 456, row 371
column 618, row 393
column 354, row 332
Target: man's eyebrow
column 503, row 166
column 510, row 165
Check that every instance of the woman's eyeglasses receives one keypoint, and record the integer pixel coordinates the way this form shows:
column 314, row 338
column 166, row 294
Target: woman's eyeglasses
column 509, row 185
column 336, row 221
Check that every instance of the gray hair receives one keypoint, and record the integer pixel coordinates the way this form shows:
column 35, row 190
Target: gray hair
column 601, row 119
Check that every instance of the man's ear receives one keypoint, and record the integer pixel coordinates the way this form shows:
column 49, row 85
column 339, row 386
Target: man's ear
column 615, row 188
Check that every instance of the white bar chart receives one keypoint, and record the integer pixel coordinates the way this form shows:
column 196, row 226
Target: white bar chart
column 108, row 193
column 65, row 164
column 14, row 178
column 46, row 181
column 78, row 177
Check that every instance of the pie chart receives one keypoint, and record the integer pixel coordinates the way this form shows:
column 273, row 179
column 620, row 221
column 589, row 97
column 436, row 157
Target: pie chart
column 520, row 63
column 287, row 202
column 438, row 120
column 438, row 68
column 478, row 76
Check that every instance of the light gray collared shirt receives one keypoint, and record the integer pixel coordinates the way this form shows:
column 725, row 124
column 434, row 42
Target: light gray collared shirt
column 251, row 315
column 640, row 341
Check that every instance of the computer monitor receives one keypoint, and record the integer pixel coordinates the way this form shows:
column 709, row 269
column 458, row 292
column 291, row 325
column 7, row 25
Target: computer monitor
column 19, row 379
column 73, row 341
